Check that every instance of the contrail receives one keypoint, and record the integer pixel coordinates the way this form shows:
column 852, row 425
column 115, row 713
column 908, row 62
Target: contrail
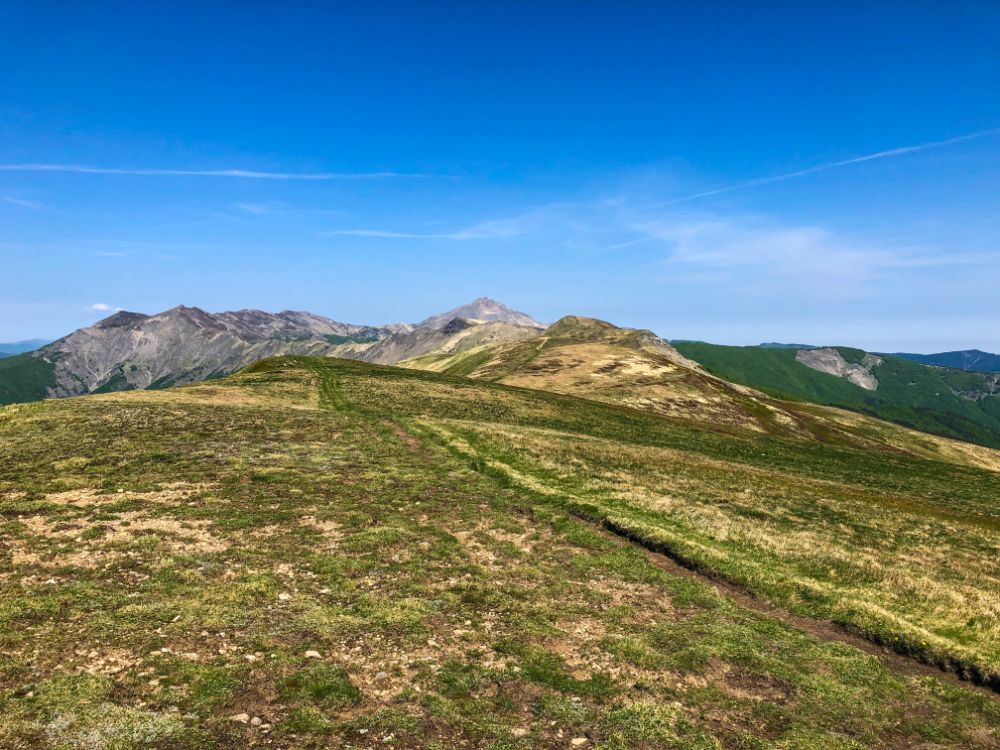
column 836, row 164
column 243, row 173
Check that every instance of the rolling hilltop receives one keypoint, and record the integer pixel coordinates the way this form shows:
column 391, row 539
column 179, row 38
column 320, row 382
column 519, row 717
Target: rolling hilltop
column 320, row 552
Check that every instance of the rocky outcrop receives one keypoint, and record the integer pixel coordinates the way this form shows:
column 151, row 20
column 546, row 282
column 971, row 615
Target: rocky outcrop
column 831, row 361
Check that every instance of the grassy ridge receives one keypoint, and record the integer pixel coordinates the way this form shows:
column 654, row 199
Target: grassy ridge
column 900, row 548
column 945, row 402
column 174, row 558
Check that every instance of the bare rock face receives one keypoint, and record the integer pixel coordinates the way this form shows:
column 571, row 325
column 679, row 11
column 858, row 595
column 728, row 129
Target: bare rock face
column 131, row 350
column 832, row 362
column 183, row 345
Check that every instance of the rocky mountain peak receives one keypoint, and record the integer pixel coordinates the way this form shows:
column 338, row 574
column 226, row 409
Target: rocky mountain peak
column 481, row 309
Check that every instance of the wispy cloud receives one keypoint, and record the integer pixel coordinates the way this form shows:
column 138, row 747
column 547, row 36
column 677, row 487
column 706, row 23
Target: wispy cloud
column 277, row 208
column 836, row 165
column 384, row 233
column 102, row 307
column 486, row 230
column 260, row 209
column 754, row 257
column 237, row 173
column 22, row 202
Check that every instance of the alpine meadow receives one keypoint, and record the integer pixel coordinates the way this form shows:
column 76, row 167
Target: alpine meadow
column 268, row 480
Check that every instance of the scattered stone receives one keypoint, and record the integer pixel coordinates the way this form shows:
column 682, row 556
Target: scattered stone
column 578, row 741
column 256, row 721
column 313, row 655
column 241, row 718
column 284, row 597
column 520, row 732
column 381, row 677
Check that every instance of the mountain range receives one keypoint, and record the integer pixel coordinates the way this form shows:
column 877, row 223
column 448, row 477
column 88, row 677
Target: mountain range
column 130, row 350
column 488, row 340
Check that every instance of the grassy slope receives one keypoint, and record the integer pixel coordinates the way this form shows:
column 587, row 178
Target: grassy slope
column 909, row 393
column 24, row 378
column 618, row 366
column 902, row 548
column 171, row 556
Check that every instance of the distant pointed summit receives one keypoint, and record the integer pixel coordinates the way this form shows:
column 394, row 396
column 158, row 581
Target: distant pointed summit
column 484, row 309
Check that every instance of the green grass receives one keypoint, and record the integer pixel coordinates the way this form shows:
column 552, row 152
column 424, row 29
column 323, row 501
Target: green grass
column 170, row 557
column 24, row 377
column 115, row 382
column 945, row 402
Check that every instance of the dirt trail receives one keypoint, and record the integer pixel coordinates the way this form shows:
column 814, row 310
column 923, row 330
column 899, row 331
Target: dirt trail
column 822, row 629
column 412, row 443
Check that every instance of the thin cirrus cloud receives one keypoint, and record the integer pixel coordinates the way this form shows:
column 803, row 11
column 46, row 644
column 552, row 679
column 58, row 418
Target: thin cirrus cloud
column 237, row 173
column 752, row 256
column 889, row 153
column 487, row 230
column 22, row 202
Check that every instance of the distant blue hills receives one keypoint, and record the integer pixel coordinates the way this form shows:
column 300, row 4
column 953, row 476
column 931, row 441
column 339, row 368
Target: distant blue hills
column 20, row 347
column 971, row 360
column 777, row 345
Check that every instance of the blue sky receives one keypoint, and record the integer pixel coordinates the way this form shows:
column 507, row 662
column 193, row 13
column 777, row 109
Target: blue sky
column 377, row 162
